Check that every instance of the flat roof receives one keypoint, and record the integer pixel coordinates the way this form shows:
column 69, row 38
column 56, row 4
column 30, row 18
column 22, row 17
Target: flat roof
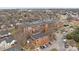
column 7, row 39
column 14, row 49
column 3, row 32
column 40, row 22
column 38, row 35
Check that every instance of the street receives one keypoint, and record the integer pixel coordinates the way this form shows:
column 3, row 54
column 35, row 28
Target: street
column 58, row 44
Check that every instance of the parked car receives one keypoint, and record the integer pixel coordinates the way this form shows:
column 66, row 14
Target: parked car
column 42, row 47
column 50, row 43
column 45, row 46
column 66, row 45
column 9, row 33
column 13, row 42
column 5, row 35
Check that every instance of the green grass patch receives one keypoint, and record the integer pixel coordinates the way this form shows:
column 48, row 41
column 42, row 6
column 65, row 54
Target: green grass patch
column 77, row 45
column 13, row 31
column 54, row 49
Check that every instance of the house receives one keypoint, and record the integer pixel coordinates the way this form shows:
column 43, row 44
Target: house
column 7, row 43
column 62, row 17
column 74, row 22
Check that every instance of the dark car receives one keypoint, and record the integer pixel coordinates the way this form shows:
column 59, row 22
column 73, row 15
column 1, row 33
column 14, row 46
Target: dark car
column 50, row 43
column 42, row 47
column 66, row 45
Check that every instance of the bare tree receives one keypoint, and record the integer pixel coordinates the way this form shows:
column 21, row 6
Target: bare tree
column 20, row 36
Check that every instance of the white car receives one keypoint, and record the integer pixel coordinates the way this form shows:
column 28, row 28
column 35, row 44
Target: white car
column 9, row 33
column 13, row 42
column 65, row 40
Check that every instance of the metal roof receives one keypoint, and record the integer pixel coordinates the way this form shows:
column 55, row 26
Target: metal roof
column 3, row 32
column 7, row 39
column 38, row 35
column 40, row 22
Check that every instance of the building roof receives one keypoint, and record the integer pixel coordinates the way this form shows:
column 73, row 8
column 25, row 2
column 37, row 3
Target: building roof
column 40, row 22
column 14, row 49
column 7, row 39
column 38, row 35
column 3, row 32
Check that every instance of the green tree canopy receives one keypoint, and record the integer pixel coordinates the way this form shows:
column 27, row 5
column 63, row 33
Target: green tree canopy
column 74, row 35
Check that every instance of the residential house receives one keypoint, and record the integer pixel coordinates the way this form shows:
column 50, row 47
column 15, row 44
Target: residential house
column 74, row 22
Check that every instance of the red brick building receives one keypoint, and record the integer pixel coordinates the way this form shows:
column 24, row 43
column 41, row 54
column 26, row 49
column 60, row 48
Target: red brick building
column 40, row 39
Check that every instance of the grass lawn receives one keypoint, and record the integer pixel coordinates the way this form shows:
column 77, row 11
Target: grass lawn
column 54, row 49
column 77, row 44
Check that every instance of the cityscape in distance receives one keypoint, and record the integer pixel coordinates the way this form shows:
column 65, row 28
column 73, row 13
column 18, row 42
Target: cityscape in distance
column 39, row 29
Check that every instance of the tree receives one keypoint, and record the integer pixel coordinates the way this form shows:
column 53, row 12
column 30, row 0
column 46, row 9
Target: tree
column 74, row 35
column 19, row 35
column 69, row 36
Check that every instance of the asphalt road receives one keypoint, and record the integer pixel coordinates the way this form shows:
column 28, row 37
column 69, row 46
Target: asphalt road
column 60, row 42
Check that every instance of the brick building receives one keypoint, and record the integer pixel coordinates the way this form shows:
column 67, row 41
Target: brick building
column 38, row 34
column 40, row 39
